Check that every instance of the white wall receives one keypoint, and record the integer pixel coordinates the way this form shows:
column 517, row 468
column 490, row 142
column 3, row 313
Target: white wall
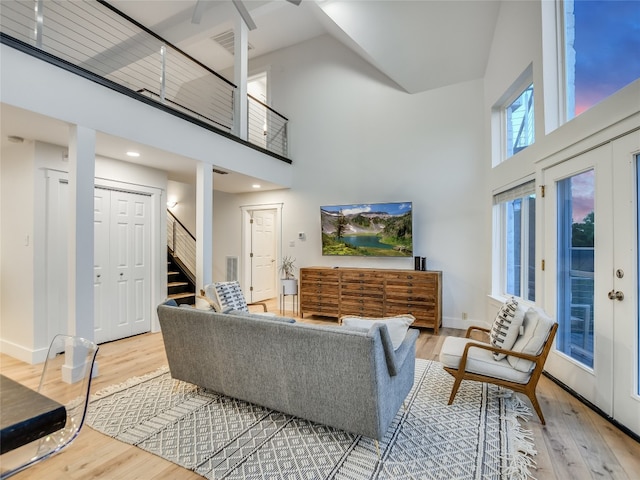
column 355, row 138
column 25, row 322
column 185, row 196
column 16, row 320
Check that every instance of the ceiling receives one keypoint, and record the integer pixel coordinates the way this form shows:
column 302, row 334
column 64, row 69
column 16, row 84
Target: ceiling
column 420, row 45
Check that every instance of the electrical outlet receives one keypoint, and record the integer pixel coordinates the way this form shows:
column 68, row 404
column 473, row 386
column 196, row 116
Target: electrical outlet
column 464, row 315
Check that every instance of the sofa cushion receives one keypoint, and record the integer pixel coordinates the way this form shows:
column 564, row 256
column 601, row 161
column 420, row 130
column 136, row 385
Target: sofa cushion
column 537, row 325
column 506, row 327
column 396, row 326
column 479, row 360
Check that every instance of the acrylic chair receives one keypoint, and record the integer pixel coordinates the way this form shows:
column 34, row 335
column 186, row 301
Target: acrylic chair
column 66, row 378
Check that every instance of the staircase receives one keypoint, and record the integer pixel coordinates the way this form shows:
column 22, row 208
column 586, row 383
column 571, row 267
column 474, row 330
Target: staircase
column 181, row 258
column 180, row 287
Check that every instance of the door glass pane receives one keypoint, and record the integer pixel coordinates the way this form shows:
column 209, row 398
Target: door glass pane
column 576, row 228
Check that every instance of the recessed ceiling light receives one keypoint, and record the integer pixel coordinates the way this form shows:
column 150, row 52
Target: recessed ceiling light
column 256, row 185
column 133, row 154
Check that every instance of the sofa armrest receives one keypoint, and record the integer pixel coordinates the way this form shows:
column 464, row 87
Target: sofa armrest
column 396, row 358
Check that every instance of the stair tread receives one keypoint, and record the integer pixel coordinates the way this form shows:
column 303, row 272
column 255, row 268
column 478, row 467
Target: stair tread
column 182, row 295
column 177, row 284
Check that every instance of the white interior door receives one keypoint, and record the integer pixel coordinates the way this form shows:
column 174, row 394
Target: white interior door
column 263, row 255
column 591, row 212
column 129, row 260
column 122, row 268
column 101, row 270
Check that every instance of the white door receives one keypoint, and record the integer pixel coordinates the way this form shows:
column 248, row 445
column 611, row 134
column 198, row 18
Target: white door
column 263, row 255
column 625, row 281
column 122, row 264
column 591, row 271
column 101, row 271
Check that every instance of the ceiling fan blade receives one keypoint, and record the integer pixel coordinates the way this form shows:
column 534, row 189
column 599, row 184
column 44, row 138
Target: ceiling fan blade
column 295, row 2
column 198, row 10
column 244, row 13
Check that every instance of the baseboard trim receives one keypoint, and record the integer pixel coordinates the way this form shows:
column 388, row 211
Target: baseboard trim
column 593, row 407
column 22, row 353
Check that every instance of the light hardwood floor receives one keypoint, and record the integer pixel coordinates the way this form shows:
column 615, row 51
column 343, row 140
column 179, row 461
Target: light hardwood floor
column 575, row 443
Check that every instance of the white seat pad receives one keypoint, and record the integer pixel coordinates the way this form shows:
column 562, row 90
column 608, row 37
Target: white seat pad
column 479, row 360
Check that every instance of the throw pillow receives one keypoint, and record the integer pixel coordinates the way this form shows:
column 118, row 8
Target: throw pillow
column 506, row 327
column 229, row 294
column 537, row 325
column 396, row 326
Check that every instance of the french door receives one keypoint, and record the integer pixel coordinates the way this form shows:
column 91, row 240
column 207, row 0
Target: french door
column 591, row 275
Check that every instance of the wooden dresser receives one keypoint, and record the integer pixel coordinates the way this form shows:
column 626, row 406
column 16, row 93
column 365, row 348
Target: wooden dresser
column 370, row 292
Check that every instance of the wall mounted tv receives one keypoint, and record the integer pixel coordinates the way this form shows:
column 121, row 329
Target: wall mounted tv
column 367, row 229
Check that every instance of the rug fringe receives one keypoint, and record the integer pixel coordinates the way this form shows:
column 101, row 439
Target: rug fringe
column 128, row 383
column 521, row 461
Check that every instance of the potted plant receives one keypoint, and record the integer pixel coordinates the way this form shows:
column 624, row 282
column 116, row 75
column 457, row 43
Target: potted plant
column 289, row 281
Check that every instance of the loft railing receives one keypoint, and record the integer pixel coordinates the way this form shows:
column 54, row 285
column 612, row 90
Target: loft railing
column 97, row 38
column 267, row 128
column 182, row 245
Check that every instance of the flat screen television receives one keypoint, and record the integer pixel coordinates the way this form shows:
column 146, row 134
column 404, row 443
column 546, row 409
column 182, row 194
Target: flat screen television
column 367, row 229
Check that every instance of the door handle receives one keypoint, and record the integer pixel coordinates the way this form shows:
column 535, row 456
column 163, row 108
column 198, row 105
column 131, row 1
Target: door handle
column 616, row 295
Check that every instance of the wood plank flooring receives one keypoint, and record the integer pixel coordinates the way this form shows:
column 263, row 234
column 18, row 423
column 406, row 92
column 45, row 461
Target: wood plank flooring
column 575, row 443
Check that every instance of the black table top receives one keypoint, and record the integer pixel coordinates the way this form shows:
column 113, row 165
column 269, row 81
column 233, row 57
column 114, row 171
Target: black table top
column 26, row 415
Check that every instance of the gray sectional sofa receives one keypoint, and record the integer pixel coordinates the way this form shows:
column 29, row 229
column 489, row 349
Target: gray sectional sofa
column 351, row 379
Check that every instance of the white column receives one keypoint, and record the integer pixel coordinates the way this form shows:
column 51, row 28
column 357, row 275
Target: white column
column 204, row 225
column 241, row 56
column 82, row 154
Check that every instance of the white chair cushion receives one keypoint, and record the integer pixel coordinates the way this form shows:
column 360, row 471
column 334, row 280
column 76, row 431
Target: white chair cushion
column 537, row 325
column 479, row 360
column 506, row 327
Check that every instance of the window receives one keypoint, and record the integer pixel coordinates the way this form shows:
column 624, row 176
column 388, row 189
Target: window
column 519, row 122
column 514, row 224
column 512, row 119
column 601, row 45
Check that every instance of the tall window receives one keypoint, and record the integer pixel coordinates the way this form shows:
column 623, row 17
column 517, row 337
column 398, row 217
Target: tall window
column 515, row 229
column 602, row 41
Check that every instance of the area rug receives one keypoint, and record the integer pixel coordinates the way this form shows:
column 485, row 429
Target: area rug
column 478, row 437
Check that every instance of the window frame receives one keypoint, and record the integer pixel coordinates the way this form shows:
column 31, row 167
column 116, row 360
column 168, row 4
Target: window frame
column 500, row 272
column 499, row 135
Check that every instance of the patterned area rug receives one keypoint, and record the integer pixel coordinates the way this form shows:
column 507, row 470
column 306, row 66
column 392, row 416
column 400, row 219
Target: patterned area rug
column 478, row 437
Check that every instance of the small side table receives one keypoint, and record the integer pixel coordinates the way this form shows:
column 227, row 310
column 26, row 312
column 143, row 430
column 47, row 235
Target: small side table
column 283, row 297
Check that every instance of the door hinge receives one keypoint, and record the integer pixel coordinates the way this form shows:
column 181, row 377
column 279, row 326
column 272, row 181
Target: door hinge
column 542, row 190
column 251, row 255
column 542, row 264
column 251, row 220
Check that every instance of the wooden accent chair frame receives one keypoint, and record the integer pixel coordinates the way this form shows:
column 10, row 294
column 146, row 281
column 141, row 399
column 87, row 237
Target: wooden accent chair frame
column 528, row 388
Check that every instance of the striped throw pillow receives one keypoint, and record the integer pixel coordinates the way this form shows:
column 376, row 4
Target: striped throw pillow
column 506, row 327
